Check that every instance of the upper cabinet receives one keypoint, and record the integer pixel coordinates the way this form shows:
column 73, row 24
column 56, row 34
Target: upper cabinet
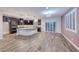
column 39, row 21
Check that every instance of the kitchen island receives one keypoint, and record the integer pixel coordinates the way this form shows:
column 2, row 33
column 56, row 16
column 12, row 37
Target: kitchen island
column 26, row 30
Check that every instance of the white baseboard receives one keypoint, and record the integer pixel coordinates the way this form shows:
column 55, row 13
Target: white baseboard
column 71, row 42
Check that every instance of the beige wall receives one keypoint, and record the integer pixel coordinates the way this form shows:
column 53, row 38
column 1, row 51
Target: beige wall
column 1, row 27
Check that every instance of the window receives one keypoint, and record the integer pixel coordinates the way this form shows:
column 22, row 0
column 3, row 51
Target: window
column 50, row 26
column 70, row 21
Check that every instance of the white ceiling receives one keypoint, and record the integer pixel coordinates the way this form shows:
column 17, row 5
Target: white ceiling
column 37, row 11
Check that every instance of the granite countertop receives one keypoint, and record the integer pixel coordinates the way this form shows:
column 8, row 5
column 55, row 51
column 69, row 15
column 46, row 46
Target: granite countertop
column 30, row 27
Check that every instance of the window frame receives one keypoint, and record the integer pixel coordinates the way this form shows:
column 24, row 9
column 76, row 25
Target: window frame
column 67, row 19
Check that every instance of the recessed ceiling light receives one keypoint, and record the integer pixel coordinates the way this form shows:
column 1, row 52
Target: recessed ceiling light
column 49, row 12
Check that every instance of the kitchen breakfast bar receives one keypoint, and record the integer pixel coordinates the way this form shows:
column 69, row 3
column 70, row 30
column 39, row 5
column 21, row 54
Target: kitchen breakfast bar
column 26, row 30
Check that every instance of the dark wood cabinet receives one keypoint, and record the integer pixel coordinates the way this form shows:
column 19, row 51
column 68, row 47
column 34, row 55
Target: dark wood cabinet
column 39, row 21
column 12, row 23
column 28, row 22
column 39, row 25
column 5, row 19
column 39, row 29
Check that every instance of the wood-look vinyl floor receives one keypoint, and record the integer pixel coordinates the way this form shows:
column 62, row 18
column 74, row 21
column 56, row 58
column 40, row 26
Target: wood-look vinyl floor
column 40, row 42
